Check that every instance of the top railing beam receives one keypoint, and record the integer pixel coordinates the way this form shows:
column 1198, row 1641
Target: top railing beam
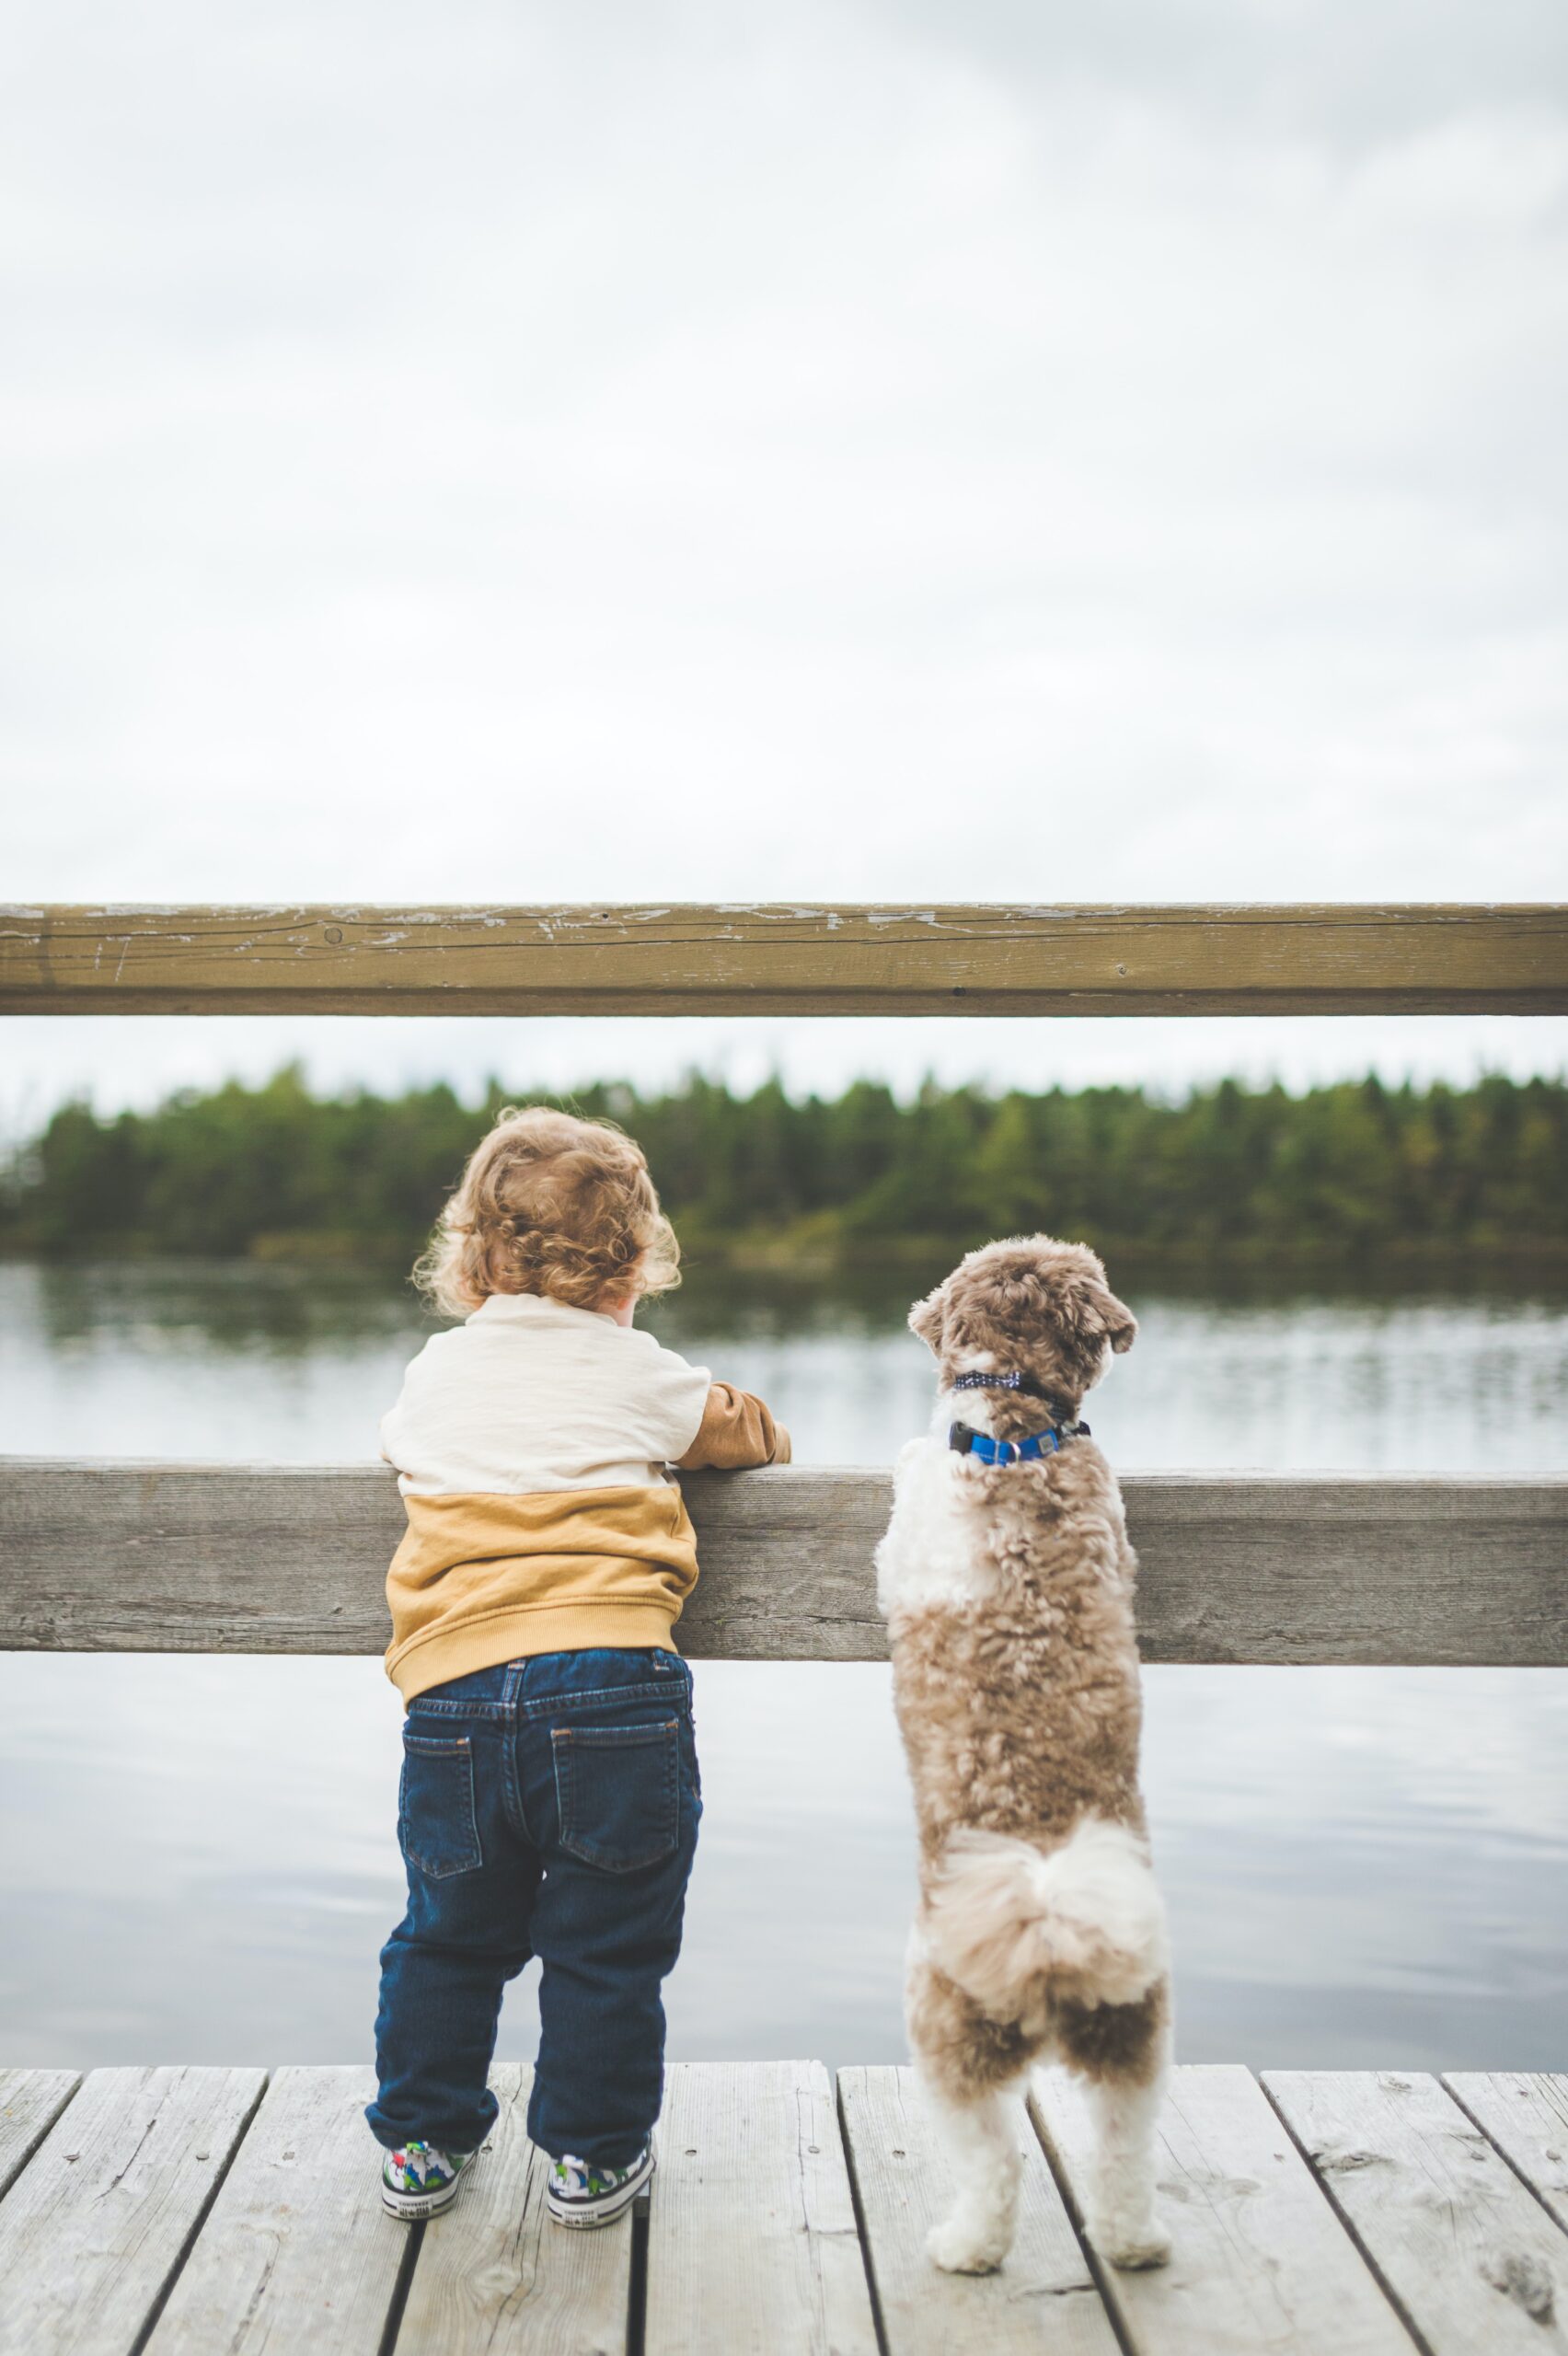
column 779, row 959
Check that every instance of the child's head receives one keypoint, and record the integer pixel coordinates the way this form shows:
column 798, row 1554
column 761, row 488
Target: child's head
column 550, row 1204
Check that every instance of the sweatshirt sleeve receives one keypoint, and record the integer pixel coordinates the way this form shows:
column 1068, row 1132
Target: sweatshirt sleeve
column 388, row 1434
column 736, row 1431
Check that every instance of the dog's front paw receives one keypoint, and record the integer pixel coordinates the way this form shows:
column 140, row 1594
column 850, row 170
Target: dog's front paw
column 1129, row 2244
column 965, row 2245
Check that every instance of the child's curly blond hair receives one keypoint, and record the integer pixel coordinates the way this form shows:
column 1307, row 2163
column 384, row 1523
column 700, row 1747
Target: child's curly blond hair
column 550, row 1203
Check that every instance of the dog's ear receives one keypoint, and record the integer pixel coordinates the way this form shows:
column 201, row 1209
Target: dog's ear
column 1085, row 1302
column 928, row 1316
column 1102, row 1317
column 1121, row 1325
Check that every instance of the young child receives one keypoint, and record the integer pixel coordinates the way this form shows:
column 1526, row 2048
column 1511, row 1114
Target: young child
column 550, row 1794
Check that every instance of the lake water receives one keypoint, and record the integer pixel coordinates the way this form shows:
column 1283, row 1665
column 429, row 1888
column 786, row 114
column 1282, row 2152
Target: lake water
column 1364, row 1867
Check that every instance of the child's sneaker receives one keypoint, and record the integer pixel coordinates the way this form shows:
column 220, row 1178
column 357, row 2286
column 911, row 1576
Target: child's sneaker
column 418, row 2179
column 580, row 2195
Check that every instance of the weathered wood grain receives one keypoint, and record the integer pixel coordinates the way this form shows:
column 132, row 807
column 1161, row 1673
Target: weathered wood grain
column 98, row 2220
column 1044, row 2296
column 1283, row 1568
column 751, row 2245
column 1259, row 2267
column 30, row 2102
column 1525, row 2113
column 774, row 959
column 495, row 2278
column 297, row 2252
column 1294, row 1569
column 1471, row 2258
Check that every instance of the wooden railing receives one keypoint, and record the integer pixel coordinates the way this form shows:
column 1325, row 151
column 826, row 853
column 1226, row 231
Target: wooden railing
column 1285, row 1568
column 1236, row 1566
column 766, row 960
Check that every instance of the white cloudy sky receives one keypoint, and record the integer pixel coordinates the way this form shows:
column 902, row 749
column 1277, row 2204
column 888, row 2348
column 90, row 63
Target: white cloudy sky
column 914, row 449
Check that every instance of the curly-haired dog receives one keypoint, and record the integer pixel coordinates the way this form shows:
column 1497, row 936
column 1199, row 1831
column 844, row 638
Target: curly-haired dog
column 1006, row 1580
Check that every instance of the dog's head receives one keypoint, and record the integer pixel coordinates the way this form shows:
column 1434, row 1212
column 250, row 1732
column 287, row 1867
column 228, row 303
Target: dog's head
column 1029, row 1305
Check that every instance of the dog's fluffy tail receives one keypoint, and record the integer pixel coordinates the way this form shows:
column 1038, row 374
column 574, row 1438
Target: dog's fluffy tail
column 1007, row 1920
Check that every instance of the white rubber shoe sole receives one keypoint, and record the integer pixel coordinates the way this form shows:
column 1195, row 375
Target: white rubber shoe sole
column 411, row 2206
column 583, row 2215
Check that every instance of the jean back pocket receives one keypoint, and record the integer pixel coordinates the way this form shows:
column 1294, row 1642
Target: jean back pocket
column 437, row 1824
column 619, row 1794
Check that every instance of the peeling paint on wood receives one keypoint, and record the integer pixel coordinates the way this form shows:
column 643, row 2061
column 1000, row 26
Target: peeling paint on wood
column 786, row 959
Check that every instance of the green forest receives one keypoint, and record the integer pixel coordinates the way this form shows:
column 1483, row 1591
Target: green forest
column 1258, row 1175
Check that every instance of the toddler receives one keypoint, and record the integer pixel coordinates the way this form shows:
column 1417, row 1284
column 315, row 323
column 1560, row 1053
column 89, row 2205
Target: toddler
column 550, row 1794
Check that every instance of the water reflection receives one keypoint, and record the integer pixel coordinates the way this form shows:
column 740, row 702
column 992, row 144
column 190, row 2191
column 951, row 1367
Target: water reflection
column 179, row 1358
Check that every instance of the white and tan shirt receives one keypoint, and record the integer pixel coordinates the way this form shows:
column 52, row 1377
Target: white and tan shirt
column 531, row 1444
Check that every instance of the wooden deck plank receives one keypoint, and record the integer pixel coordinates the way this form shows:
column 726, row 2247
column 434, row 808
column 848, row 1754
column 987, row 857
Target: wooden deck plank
column 1471, row 2258
column 1525, row 2112
column 1044, row 2294
column 98, row 2221
column 770, row 958
column 1285, row 1569
column 1260, row 2264
column 753, row 2244
column 495, row 2275
column 753, row 2249
column 297, row 2252
column 30, row 2102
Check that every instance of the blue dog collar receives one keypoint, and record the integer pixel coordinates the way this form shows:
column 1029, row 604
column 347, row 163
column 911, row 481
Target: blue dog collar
column 969, row 1442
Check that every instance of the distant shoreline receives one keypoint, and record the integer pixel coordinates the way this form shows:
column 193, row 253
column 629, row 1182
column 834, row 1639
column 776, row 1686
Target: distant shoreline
column 814, row 1256
column 1341, row 1180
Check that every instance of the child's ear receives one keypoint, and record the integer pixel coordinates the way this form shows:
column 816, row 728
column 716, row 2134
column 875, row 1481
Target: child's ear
column 927, row 1317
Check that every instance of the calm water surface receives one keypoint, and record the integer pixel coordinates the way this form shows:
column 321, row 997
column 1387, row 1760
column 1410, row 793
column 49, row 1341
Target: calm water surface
column 1363, row 1867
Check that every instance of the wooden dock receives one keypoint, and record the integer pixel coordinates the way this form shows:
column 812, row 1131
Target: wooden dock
column 225, row 2213
column 189, row 2212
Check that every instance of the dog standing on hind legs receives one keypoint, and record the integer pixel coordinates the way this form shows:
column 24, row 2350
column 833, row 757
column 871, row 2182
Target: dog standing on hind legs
column 1007, row 1580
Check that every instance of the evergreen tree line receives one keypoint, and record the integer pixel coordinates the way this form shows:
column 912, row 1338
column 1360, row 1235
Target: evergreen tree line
column 1229, row 1172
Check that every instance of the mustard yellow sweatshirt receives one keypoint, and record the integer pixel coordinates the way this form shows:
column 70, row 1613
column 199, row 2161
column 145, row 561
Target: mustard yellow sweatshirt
column 531, row 1444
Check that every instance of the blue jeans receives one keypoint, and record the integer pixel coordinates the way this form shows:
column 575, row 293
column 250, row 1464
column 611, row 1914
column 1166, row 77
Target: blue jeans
column 547, row 1807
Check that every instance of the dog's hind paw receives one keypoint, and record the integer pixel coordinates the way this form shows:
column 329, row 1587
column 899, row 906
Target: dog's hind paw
column 961, row 2245
column 1132, row 2251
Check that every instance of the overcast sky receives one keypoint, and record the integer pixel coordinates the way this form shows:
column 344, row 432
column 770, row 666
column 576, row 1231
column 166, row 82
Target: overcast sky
column 921, row 449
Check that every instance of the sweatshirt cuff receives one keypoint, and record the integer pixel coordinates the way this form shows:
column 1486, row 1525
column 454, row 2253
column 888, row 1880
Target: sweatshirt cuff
column 737, row 1432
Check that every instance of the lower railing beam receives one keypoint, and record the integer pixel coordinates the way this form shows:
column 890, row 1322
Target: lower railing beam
column 1285, row 1569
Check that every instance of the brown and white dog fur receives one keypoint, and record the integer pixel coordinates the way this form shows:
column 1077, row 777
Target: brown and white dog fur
column 1007, row 1591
